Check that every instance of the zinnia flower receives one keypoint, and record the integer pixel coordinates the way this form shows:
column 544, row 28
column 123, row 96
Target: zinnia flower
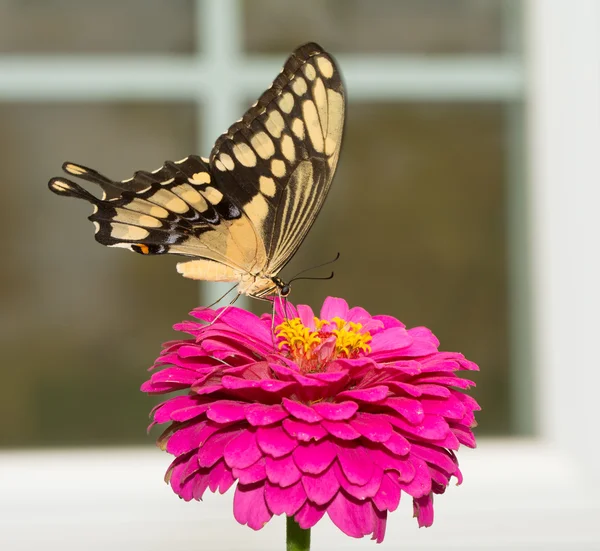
column 336, row 415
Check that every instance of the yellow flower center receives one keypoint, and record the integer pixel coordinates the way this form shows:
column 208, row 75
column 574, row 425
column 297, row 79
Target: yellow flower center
column 331, row 339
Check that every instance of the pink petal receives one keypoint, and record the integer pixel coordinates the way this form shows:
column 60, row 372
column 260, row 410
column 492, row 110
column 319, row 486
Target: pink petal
column 180, row 408
column 322, row 487
column 372, row 427
column 358, row 315
column 341, row 430
column 192, row 437
column 450, row 407
column 397, row 444
column 411, row 410
column 423, row 510
column 309, row 514
column 267, row 385
column 306, row 315
column 438, row 457
column 336, row 411
column 254, row 473
column 304, row 432
column 420, row 485
column 274, row 441
column 431, row 428
column 282, row 470
column 390, row 462
column 220, row 478
column 260, row 414
column 351, row 516
column 355, row 462
column 334, row 307
column 242, row 451
column 226, row 411
column 314, row 457
column 369, row 395
column 389, row 342
column 301, row 411
column 363, row 491
column 213, row 448
column 388, row 496
column 249, row 506
column 285, row 500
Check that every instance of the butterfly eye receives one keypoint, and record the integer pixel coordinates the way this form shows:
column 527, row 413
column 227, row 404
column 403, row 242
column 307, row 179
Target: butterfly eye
column 285, row 290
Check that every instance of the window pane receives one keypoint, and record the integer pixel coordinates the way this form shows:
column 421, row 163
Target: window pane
column 73, row 26
column 81, row 323
column 406, row 26
column 418, row 212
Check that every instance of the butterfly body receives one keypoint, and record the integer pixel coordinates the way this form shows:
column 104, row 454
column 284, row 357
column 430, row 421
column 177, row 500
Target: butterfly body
column 241, row 214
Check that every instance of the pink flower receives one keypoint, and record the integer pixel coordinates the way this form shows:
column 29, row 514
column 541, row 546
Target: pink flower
column 336, row 415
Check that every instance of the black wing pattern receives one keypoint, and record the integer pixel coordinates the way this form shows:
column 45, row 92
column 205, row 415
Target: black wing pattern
column 248, row 207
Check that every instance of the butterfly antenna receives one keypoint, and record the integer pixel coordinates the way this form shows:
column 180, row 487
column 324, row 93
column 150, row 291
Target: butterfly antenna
column 337, row 256
column 330, row 276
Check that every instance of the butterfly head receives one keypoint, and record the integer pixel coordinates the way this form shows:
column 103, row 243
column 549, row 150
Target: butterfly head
column 284, row 288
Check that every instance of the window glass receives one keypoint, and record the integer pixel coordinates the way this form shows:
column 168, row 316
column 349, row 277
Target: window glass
column 368, row 26
column 72, row 26
column 418, row 212
column 80, row 323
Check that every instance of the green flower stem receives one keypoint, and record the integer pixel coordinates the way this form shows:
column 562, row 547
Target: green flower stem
column 297, row 539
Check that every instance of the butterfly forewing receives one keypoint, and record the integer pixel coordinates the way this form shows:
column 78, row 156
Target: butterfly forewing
column 279, row 159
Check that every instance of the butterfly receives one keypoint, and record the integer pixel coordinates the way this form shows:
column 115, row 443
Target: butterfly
column 242, row 213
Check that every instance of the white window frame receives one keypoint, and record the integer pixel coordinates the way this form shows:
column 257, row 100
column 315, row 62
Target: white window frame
column 518, row 493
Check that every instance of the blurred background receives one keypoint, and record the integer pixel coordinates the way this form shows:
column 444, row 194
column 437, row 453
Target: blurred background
column 437, row 131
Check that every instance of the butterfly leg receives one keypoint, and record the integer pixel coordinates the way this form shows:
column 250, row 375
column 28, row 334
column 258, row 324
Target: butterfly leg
column 225, row 308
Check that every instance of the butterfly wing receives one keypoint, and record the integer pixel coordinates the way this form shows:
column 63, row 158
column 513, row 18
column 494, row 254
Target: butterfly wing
column 247, row 209
column 280, row 157
column 178, row 209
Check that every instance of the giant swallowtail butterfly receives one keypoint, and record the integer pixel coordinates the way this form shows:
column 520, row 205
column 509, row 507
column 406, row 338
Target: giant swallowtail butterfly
column 242, row 213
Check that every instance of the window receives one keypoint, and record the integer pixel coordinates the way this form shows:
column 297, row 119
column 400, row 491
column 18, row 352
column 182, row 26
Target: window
column 450, row 207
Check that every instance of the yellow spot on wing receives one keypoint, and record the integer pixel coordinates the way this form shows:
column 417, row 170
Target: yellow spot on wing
column 169, row 201
column 325, row 66
column 131, row 233
column 267, row 186
column 287, row 148
column 244, row 154
column 274, row 123
column 263, row 145
column 299, row 86
column 191, row 197
column 298, row 128
column 143, row 206
column 286, row 103
column 311, row 118
column 75, row 169
column 213, row 195
column 227, row 161
column 200, row 178
column 130, row 217
column 278, row 168
column 309, row 71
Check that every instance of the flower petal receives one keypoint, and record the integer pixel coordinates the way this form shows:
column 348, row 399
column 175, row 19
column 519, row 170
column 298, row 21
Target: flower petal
column 309, row 514
column 341, row 430
column 274, row 441
column 314, row 457
column 369, row 395
column 220, row 478
column 226, row 411
column 388, row 495
column 336, row 411
column 301, row 411
column 423, row 510
column 261, row 414
column 242, row 451
column 213, row 448
column 372, row 427
column 285, row 500
column 334, row 307
column 304, row 432
column 250, row 507
column 322, row 487
column 351, row 516
column 355, row 462
column 254, row 473
column 282, row 470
